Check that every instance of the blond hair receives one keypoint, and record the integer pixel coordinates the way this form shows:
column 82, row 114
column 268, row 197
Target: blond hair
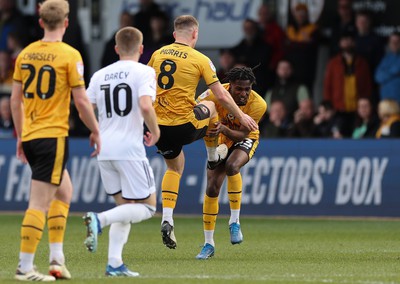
column 388, row 108
column 53, row 13
column 128, row 40
column 185, row 22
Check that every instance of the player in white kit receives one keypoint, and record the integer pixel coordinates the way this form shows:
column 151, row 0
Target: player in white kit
column 123, row 93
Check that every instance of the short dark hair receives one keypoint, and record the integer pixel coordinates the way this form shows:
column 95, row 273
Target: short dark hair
column 348, row 33
column 326, row 105
column 240, row 73
column 396, row 33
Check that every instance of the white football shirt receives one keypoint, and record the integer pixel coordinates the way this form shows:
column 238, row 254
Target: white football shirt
column 116, row 90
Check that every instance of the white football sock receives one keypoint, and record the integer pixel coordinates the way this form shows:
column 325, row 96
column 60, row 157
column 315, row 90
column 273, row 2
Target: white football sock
column 125, row 213
column 212, row 154
column 167, row 214
column 56, row 253
column 234, row 216
column 25, row 262
column 209, row 237
column 118, row 236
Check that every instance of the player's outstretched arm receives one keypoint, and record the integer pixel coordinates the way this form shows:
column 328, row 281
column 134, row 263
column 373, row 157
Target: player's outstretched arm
column 150, row 118
column 17, row 110
column 88, row 117
column 226, row 100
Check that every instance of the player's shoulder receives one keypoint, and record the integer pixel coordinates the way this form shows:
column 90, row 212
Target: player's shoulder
column 144, row 68
column 257, row 100
column 68, row 47
column 162, row 50
column 32, row 47
column 200, row 56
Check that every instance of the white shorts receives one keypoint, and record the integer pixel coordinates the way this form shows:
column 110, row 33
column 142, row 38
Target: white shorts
column 134, row 179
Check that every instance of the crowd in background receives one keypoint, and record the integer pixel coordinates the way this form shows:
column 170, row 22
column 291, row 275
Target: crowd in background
column 361, row 84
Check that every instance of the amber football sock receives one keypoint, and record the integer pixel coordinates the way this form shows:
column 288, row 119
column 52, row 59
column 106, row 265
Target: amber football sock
column 210, row 212
column 31, row 234
column 235, row 196
column 56, row 224
column 170, row 189
column 211, row 142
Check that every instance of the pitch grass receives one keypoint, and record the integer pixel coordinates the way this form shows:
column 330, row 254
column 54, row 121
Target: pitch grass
column 274, row 251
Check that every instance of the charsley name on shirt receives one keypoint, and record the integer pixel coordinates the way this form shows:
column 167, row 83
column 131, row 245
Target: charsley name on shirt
column 40, row 56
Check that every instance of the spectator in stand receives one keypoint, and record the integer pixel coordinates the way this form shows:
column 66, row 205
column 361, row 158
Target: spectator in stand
column 387, row 74
column 369, row 46
column 277, row 125
column 226, row 62
column 303, row 124
column 272, row 34
column 389, row 113
column 343, row 22
column 11, row 20
column 347, row 78
column 366, row 122
column 15, row 46
column 287, row 89
column 302, row 45
column 109, row 55
column 142, row 18
column 6, row 74
column 327, row 123
column 159, row 36
column 253, row 51
column 6, row 122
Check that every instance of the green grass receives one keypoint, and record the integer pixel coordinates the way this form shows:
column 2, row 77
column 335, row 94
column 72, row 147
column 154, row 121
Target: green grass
column 273, row 251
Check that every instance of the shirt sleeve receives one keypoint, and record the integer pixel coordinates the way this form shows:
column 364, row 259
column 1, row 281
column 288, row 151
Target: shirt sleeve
column 91, row 90
column 257, row 109
column 147, row 85
column 76, row 70
column 208, row 70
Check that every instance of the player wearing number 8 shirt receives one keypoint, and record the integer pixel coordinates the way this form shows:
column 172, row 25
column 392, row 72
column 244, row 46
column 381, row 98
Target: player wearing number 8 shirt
column 123, row 93
column 46, row 72
column 179, row 67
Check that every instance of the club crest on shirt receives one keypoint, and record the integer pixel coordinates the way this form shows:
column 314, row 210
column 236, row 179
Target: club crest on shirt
column 212, row 66
column 231, row 116
column 203, row 95
column 80, row 68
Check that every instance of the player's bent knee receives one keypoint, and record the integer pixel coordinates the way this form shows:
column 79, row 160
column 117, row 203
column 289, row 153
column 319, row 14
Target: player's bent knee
column 232, row 169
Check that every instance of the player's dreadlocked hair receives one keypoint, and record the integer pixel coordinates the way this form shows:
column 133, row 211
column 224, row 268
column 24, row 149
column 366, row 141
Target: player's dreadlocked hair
column 240, row 73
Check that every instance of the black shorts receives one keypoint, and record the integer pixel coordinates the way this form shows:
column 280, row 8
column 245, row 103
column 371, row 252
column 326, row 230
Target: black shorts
column 248, row 145
column 47, row 158
column 173, row 138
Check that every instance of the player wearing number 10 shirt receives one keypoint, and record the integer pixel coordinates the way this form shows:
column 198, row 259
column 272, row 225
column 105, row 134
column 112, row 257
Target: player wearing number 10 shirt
column 179, row 67
column 123, row 93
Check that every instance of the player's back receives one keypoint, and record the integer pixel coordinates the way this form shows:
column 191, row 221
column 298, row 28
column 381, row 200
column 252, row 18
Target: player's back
column 47, row 71
column 115, row 90
column 179, row 69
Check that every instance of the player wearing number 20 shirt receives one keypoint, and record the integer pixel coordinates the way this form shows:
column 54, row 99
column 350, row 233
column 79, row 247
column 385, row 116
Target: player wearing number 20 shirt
column 48, row 72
